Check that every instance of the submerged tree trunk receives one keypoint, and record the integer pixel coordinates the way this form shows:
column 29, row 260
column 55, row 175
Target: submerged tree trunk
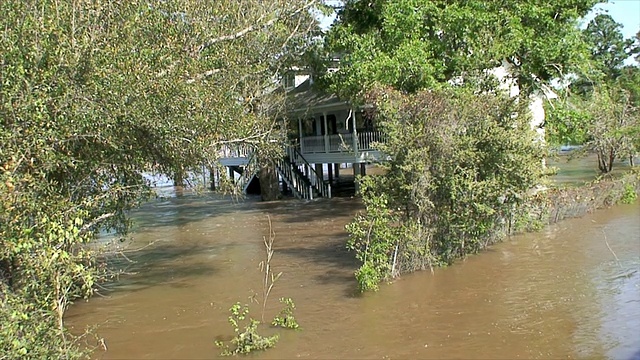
column 269, row 187
column 605, row 161
column 178, row 178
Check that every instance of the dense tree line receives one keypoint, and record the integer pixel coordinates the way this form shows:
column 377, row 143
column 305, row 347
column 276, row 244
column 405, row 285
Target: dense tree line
column 600, row 108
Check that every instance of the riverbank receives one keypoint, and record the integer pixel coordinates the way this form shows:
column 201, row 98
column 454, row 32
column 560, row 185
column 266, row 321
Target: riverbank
column 559, row 203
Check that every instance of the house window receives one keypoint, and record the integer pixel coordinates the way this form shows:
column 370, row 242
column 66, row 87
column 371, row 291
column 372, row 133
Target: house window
column 289, row 81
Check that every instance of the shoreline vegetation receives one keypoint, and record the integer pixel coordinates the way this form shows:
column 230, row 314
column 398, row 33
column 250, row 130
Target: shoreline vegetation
column 552, row 205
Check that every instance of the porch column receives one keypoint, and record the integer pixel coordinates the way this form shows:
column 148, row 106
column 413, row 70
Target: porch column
column 355, row 133
column 320, row 172
column 355, row 174
column 300, row 134
column 326, row 132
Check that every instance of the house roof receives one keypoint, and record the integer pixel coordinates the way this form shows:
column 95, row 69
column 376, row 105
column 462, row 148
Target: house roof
column 306, row 97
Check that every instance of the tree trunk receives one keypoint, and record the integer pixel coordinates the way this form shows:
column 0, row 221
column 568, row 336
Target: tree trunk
column 269, row 187
column 602, row 162
column 212, row 179
column 178, row 178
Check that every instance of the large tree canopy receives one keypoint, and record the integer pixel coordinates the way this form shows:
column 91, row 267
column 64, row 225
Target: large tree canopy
column 609, row 49
column 92, row 93
column 418, row 44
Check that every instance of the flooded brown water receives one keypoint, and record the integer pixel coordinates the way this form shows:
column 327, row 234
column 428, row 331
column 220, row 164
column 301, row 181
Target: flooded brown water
column 560, row 293
column 572, row 291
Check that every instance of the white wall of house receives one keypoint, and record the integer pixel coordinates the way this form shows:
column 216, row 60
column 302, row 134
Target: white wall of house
column 536, row 100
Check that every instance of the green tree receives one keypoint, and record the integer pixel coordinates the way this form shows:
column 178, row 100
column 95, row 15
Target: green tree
column 605, row 120
column 600, row 107
column 613, row 125
column 609, row 49
column 94, row 93
column 629, row 80
column 463, row 158
column 462, row 166
column 635, row 47
column 420, row 44
column 565, row 121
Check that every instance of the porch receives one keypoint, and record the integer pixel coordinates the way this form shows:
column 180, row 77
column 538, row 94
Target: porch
column 352, row 147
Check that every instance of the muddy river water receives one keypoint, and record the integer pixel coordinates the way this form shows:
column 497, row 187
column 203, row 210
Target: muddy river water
column 570, row 291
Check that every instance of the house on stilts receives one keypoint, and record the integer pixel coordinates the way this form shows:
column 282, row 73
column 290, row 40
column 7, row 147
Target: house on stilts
column 330, row 134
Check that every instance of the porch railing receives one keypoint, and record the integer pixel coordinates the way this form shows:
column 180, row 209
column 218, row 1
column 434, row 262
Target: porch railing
column 366, row 139
column 235, row 151
column 341, row 142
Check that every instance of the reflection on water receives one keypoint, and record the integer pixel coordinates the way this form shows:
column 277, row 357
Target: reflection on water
column 572, row 290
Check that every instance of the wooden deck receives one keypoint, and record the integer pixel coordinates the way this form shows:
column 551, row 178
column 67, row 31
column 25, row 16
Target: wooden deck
column 323, row 149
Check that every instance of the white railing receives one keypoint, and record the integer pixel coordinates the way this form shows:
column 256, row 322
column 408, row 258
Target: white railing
column 235, row 151
column 340, row 142
column 367, row 139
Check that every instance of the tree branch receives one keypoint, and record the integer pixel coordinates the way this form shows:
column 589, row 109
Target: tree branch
column 95, row 221
column 251, row 28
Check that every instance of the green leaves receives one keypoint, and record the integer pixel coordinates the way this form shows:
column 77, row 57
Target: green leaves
column 414, row 44
column 607, row 45
column 246, row 338
column 461, row 167
column 606, row 119
column 285, row 317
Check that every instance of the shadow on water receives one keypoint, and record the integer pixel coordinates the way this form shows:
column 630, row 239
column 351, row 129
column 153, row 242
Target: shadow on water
column 296, row 211
column 337, row 262
column 160, row 264
column 180, row 211
column 332, row 255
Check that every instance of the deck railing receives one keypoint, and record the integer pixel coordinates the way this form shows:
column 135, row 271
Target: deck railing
column 312, row 144
column 235, row 151
column 340, row 142
column 367, row 139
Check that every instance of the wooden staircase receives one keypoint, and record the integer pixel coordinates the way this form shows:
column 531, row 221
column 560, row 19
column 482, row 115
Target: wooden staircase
column 301, row 177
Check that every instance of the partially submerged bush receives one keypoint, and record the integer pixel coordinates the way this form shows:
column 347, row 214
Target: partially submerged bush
column 29, row 332
column 246, row 338
column 461, row 166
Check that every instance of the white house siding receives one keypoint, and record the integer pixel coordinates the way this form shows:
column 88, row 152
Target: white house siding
column 536, row 100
